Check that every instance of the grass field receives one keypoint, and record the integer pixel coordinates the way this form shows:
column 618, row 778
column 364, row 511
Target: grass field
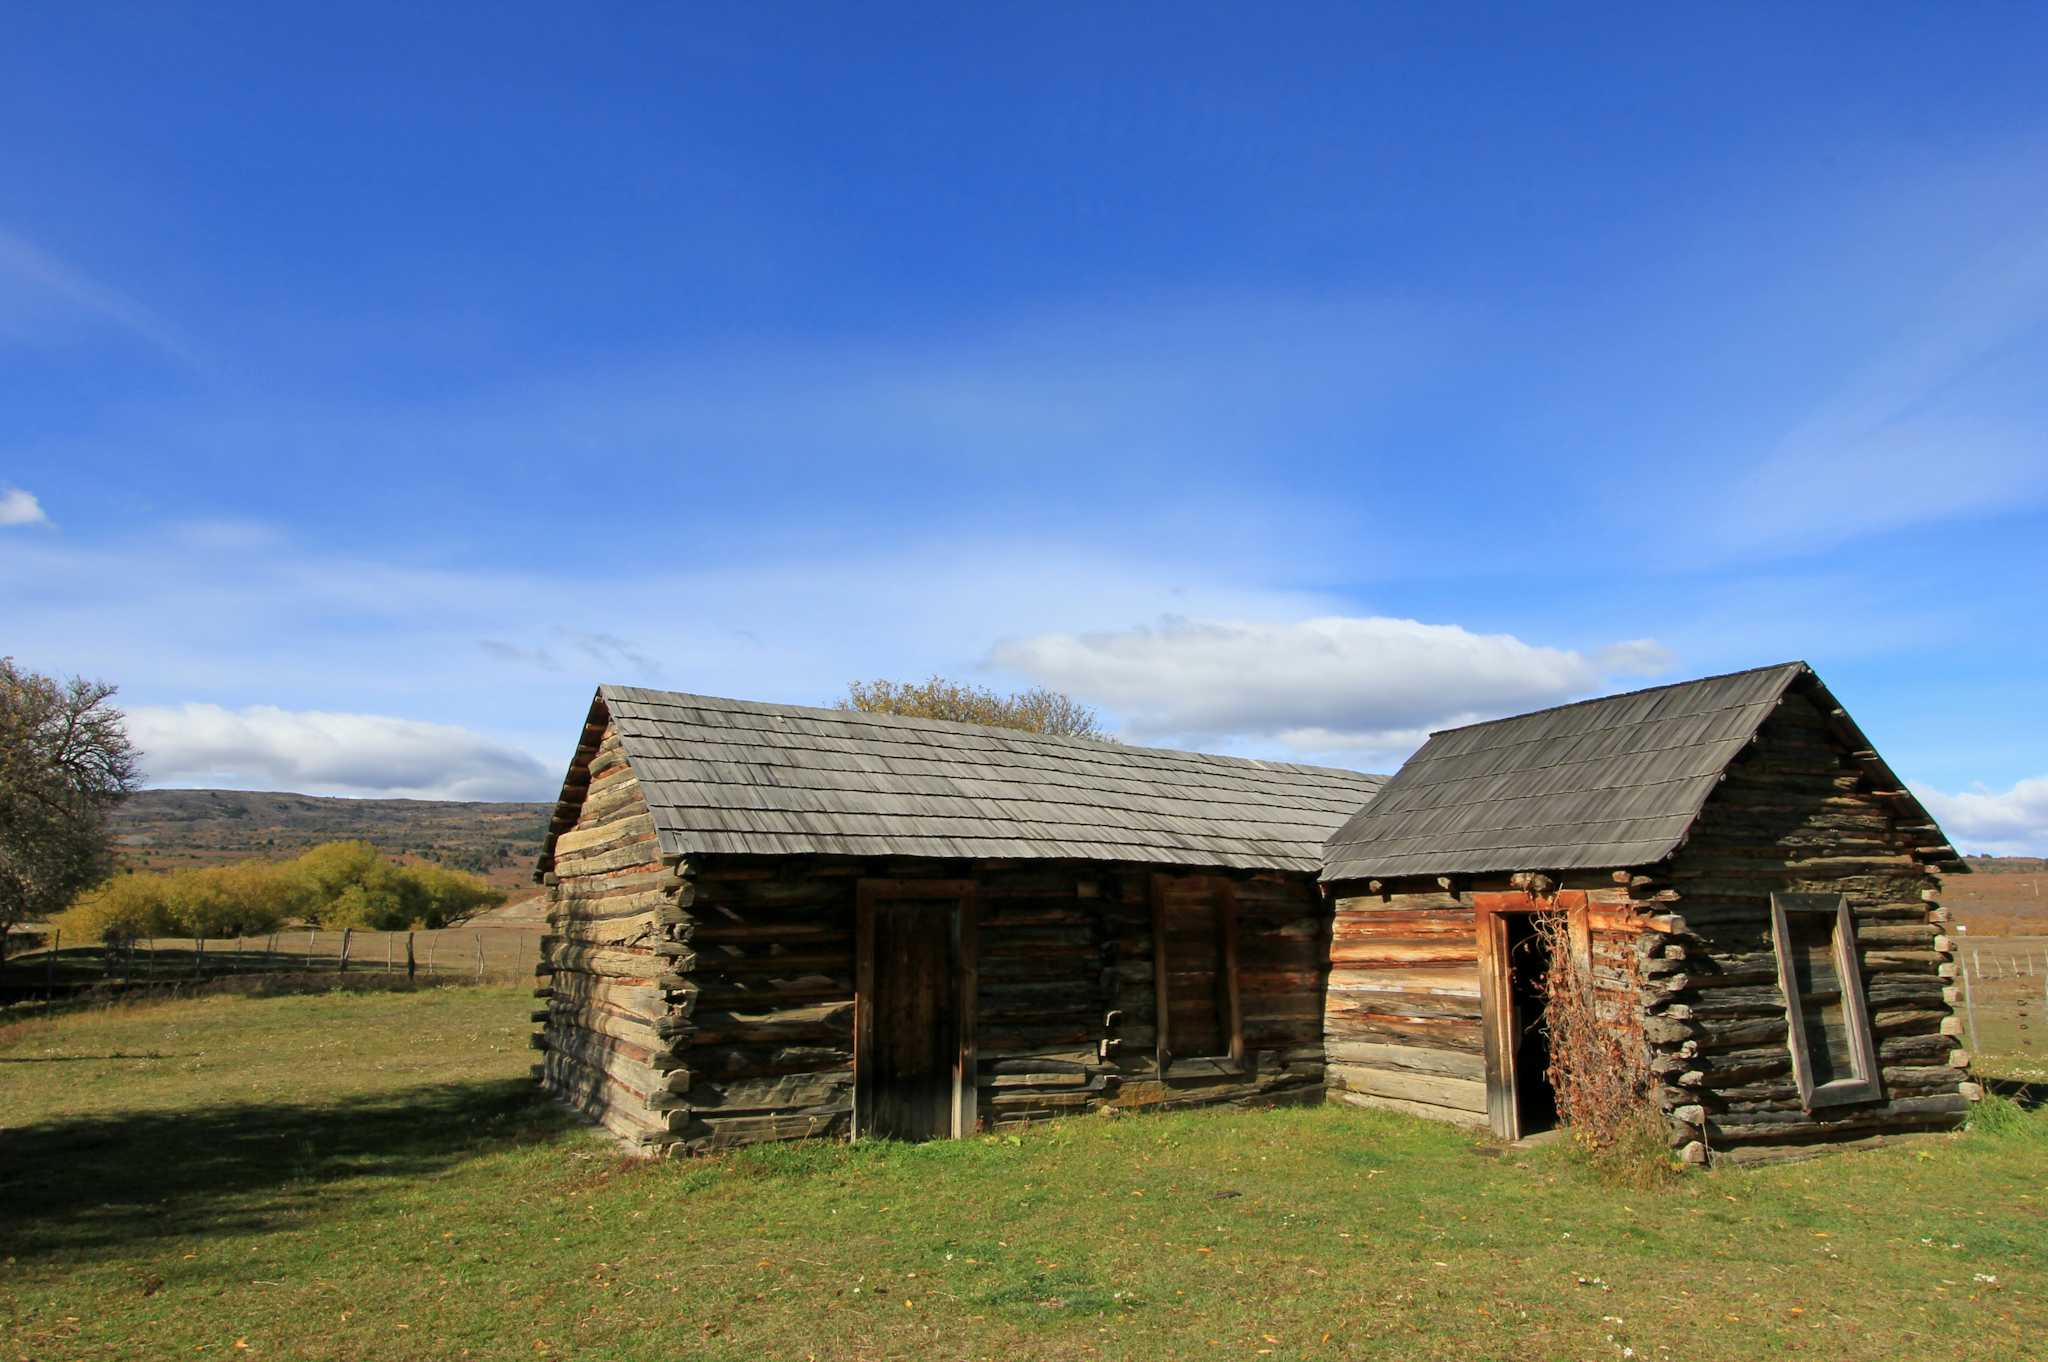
column 369, row 1175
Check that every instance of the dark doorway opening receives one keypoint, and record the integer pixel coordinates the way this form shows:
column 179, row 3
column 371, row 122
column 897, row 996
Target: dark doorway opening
column 1528, row 973
column 914, row 987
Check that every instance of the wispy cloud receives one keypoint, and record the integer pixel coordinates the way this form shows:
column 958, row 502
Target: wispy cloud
column 1358, row 684
column 2010, row 822
column 31, row 279
column 18, row 507
column 320, row 752
column 1942, row 418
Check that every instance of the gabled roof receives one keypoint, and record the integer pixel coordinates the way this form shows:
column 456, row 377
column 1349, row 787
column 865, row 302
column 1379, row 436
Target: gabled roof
column 1614, row 782
column 736, row 777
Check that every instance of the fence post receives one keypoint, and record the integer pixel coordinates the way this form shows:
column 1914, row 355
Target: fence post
column 479, row 955
column 346, row 933
column 433, row 944
column 1969, row 1012
column 270, row 951
column 387, row 952
column 410, row 967
column 198, row 956
column 50, row 957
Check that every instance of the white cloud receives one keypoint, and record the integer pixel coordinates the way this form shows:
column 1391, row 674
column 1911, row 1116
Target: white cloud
column 32, row 281
column 318, row 752
column 21, row 508
column 2009, row 823
column 1333, row 683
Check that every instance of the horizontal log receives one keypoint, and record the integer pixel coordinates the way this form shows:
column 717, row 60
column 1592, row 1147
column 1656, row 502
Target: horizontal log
column 588, row 1092
column 720, row 1062
column 1426, row 1110
column 1457, row 1094
column 1414, row 1058
column 633, row 999
column 703, row 1134
column 612, row 963
column 1446, row 982
column 601, row 836
column 1779, row 1126
column 604, row 1021
column 776, row 1093
column 1441, row 1033
column 824, row 1021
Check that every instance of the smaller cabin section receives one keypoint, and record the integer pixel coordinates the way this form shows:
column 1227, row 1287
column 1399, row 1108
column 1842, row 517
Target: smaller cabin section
column 772, row 922
column 1750, row 890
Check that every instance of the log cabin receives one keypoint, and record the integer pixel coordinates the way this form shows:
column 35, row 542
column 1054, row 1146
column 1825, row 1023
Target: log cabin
column 1750, row 890
column 770, row 922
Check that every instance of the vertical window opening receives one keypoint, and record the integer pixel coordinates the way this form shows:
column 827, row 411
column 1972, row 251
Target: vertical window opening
column 1827, row 1022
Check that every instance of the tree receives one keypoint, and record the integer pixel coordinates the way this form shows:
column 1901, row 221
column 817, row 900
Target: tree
column 1037, row 710
column 65, row 762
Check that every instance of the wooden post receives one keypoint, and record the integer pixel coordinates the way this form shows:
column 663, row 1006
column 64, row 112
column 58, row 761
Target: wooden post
column 270, row 951
column 433, row 944
column 50, row 958
column 479, row 955
column 1969, row 1011
column 346, row 933
column 388, row 942
column 411, row 967
column 198, row 955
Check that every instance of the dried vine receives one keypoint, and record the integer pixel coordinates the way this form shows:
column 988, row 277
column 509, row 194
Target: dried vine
column 1599, row 1064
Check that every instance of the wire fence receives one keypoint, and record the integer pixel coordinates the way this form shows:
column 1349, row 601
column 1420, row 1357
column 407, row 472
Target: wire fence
column 483, row 953
column 2002, row 988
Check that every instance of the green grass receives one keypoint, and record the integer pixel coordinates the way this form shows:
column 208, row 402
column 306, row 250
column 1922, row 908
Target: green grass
column 367, row 1175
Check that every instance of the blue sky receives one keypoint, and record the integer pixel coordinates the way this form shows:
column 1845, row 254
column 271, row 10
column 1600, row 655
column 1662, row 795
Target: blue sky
column 374, row 382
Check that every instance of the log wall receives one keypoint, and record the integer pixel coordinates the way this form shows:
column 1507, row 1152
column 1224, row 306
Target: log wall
column 1684, row 953
column 609, row 970
column 1401, row 1020
column 1800, row 814
column 1403, row 1027
column 710, row 1003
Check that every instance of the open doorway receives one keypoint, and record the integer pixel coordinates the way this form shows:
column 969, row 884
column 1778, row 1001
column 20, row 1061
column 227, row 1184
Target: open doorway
column 1514, row 993
column 1528, row 979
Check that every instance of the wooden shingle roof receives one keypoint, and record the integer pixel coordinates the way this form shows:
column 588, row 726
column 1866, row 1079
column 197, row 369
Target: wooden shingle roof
column 737, row 777
column 1614, row 782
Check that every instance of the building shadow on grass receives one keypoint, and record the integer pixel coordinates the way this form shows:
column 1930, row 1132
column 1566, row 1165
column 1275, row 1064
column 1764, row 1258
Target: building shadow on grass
column 92, row 1182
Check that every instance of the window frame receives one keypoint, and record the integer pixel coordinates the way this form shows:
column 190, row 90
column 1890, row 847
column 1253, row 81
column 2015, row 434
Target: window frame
column 1229, row 1000
column 1866, row 1083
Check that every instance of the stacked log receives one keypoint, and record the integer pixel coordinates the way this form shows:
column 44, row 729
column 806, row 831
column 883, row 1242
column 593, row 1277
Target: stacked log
column 701, row 1003
column 1797, row 814
column 1281, row 936
column 1401, row 1023
column 613, row 972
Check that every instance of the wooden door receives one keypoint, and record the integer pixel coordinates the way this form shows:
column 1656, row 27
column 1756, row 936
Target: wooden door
column 914, row 1010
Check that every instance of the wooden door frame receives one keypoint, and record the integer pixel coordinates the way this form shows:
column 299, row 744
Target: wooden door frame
column 1496, row 990
column 962, row 933
column 1230, row 1002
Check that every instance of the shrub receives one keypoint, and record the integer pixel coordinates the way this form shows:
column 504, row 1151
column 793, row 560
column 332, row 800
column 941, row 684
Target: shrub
column 339, row 884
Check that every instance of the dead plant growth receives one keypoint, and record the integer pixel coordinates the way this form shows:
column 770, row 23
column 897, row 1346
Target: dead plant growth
column 1599, row 1061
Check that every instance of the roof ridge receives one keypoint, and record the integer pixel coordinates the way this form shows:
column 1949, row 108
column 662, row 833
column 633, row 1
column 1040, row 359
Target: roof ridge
column 1625, row 695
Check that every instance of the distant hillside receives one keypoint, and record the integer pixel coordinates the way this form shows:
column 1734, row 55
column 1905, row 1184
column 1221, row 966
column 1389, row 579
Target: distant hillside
column 174, row 829
column 2008, row 865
